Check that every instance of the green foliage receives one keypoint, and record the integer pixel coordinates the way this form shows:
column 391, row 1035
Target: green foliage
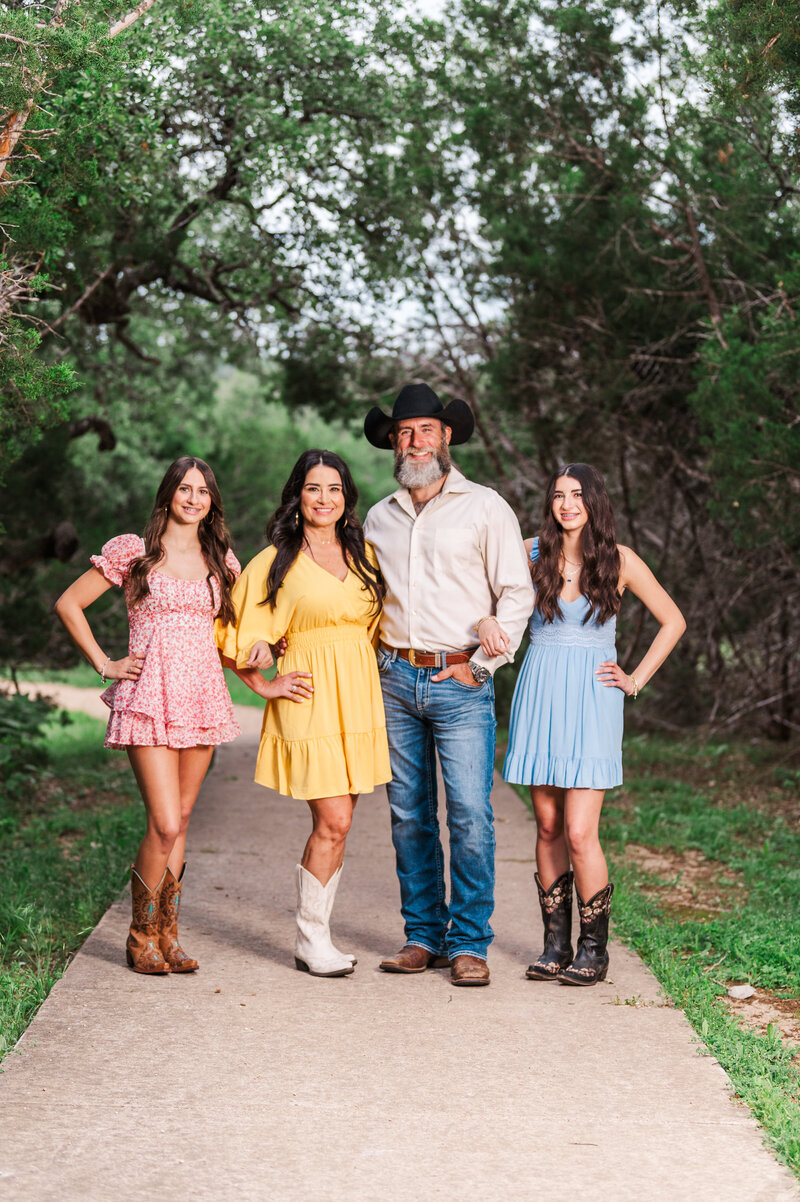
column 747, row 403
column 566, row 213
column 236, row 423
column 34, row 392
column 756, row 50
column 173, row 205
column 22, row 722
column 631, row 274
column 38, row 55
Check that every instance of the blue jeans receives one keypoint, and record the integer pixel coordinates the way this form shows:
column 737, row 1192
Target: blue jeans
column 458, row 721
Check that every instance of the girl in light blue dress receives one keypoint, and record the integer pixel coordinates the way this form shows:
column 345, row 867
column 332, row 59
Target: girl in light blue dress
column 565, row 737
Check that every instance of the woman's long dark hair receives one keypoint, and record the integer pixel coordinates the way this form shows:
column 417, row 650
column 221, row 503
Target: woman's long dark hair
column 599, row 578
column 285, row 528
column 214, row 537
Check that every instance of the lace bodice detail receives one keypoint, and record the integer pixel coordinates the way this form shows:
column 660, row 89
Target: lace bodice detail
column 570, row 631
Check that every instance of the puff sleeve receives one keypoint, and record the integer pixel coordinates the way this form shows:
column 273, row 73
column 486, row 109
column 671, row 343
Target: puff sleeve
column 254, row 622
column 233, row 563
column 116, row 556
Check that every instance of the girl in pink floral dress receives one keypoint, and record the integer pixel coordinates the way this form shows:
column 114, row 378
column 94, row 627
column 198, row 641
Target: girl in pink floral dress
column 169, row 702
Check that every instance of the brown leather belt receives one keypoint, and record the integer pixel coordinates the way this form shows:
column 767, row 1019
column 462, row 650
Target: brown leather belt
column 432, row 659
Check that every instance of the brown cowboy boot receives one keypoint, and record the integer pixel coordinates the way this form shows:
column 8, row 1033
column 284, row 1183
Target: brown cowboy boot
column 171, row 950
column 142, row 949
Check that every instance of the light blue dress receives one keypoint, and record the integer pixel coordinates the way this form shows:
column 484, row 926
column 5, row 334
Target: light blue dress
column 566, row 727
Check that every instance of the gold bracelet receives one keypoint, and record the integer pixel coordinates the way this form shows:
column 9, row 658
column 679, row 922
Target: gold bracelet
column 635, row 692
column 103, row 669
column 479, row 623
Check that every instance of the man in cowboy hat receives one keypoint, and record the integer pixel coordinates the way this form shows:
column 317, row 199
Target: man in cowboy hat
column 452, row 557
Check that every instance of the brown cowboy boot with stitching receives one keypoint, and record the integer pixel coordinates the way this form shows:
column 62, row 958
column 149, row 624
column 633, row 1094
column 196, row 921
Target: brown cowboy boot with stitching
column 142, row 948
column 469, row 970
column 170, row 904
column 413, row 958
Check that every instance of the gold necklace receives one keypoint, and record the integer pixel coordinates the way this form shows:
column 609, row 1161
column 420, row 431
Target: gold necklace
column 311, row 549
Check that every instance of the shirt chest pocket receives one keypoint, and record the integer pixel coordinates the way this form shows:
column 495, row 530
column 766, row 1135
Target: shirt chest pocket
column 455, row 552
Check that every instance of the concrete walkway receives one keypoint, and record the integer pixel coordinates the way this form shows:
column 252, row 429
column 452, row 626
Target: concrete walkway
column 250, row 1080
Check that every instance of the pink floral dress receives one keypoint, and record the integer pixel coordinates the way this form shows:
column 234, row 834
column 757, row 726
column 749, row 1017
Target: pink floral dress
column 180, row 699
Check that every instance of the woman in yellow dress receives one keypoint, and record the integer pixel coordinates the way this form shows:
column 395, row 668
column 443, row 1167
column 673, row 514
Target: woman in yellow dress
column 319, row 588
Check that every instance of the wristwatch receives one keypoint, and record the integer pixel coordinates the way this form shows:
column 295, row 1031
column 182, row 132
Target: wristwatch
column 479, row 673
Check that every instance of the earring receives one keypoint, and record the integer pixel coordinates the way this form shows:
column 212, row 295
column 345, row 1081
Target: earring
column 297, row 517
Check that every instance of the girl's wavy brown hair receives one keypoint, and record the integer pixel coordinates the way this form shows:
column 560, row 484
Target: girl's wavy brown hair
column 214, row 537
column 599, row 578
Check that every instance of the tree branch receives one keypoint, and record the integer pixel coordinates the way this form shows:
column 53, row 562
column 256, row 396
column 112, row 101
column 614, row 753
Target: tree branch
column 131, row 18
column 73, row 308
column 106, row 439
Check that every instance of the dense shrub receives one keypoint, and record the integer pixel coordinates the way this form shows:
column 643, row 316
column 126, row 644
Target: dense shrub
column 22, row 753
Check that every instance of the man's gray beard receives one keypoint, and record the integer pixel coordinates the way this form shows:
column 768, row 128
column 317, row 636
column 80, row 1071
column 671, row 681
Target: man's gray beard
column 420, row 475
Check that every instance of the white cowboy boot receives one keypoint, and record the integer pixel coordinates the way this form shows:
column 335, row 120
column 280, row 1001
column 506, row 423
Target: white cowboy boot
column 337, row 878
column 314, row 952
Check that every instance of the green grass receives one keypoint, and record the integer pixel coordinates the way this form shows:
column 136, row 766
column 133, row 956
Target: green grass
column 240, row 694
column 737, row 804
column 64, row 855
column 82, row 676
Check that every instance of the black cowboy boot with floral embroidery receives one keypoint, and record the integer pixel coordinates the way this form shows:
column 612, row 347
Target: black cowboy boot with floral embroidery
column 591, row 962
column 556, row 905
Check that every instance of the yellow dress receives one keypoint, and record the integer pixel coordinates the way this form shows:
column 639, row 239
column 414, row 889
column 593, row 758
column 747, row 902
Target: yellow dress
column 335, row 743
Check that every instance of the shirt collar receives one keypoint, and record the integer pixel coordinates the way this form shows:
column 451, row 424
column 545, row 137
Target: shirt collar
column 455, row 481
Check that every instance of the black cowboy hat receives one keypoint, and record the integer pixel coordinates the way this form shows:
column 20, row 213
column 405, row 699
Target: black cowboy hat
column 419, row 400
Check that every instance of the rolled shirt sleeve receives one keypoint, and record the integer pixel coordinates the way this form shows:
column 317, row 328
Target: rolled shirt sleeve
column 509, row 579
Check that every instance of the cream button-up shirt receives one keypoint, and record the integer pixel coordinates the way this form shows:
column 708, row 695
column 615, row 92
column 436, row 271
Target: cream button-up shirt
column 457, row 561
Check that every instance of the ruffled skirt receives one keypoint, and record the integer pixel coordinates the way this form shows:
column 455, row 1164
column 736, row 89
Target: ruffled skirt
column 335, row 743
column 565, row 727
column 126, row 728
column 167, row 707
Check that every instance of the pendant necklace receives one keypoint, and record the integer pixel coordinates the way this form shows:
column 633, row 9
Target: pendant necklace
column 569, row 579
column 311, row 549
